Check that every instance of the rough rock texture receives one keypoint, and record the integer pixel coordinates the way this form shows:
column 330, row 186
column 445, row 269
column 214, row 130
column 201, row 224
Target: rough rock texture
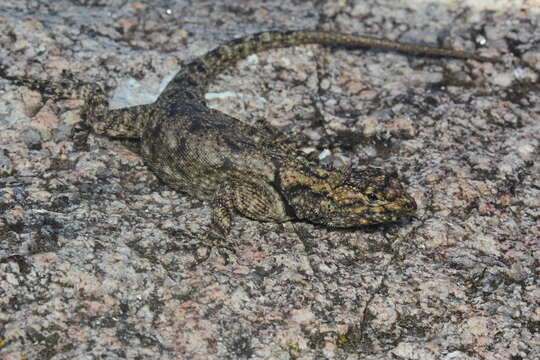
column 95, row 260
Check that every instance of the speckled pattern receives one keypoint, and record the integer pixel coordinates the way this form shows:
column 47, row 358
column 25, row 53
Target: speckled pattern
column 95, row 257
column 242, row 168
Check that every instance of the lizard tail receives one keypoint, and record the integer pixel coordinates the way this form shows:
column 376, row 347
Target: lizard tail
column 200, row 72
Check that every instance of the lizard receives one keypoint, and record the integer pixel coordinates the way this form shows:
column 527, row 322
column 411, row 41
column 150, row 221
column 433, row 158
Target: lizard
column 237, row 167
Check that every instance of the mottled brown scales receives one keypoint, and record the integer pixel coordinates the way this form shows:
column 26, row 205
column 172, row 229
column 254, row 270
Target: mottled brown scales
column 217, row 158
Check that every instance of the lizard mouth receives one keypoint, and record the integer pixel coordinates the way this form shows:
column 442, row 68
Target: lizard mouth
column 373, row 214
column 404, row 207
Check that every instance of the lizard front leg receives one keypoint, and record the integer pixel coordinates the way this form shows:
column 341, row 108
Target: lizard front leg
column 257, row 200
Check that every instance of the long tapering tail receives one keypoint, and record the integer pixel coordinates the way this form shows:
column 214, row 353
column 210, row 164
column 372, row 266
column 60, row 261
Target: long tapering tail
column 196, row 75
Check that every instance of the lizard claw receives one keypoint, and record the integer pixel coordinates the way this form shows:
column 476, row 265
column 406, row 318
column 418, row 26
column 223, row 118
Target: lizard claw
column 80, row 134
column 203, row 252
column 209, row 241
column 215, row 240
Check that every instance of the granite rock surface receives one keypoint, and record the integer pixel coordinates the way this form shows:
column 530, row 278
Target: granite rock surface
column 96, row 257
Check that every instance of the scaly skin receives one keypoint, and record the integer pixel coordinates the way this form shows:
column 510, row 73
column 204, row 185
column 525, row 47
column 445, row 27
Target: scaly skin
column 217, row 158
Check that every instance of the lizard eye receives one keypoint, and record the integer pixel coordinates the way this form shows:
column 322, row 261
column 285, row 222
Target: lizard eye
column 372, row 197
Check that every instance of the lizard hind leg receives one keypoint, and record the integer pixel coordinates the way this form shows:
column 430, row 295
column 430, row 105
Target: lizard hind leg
column 126, row 123
column 94, row 98
column 95, row 114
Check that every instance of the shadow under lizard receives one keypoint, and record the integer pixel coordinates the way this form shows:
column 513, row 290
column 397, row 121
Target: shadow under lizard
column 217, row 158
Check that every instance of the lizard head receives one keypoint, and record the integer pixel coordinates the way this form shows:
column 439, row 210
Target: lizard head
column 345, row 197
